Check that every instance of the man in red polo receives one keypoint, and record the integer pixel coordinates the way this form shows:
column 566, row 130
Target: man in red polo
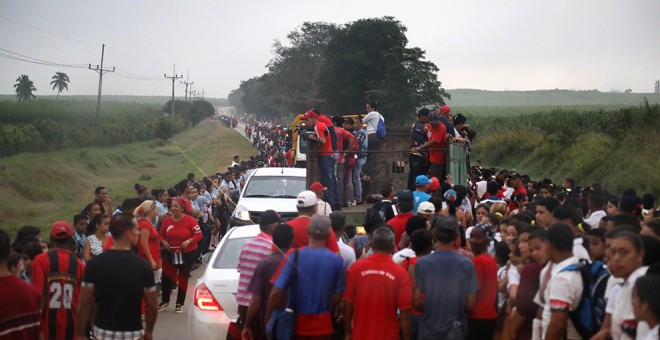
column 306, row 205
column 376, row 288
column 325, row 152
column 436, row 144
column 398, row 222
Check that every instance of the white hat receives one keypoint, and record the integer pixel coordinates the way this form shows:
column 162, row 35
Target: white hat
column 306, row 199
column 426, row 208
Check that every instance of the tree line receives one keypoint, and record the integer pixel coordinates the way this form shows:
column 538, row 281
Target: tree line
column 337, row 68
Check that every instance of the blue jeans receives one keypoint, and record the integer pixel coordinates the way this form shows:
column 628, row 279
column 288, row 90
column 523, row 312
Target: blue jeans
column 357, row 182
column 327, row 168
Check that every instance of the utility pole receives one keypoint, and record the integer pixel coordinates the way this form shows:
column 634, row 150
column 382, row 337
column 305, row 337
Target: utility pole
column 202, row 93
column 187, row 83
column 100, row 70
column 173, row 78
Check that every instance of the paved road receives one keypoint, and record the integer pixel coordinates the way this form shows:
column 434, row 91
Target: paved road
column 172, row 326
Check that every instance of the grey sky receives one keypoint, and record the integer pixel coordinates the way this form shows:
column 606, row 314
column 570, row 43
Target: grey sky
column 485, row 44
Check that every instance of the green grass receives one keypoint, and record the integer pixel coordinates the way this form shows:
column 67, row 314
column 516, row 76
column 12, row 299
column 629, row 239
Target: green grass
column 76, row 112
column 38, row 189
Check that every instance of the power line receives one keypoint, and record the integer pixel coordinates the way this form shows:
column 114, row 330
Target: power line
column 47, row 32
column 22, row 57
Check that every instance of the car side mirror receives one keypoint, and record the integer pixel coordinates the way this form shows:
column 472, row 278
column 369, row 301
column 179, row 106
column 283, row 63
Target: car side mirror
column 206, row 258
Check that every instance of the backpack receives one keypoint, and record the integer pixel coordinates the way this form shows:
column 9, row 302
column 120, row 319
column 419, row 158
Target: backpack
column 588, row 316
column 381, row 131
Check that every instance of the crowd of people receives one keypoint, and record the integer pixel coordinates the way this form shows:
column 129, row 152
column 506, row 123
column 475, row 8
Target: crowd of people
column 504, row 258
column 500, row 257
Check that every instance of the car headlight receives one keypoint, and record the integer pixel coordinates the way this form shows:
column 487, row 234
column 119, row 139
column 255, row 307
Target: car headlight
column 242, row 213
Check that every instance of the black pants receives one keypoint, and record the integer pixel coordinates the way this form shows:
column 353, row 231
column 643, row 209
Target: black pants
column 419, row 165
column 438, row 170
column 176, row 274
column 481, row 329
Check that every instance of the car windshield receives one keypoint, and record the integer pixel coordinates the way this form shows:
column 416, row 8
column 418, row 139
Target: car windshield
column 275, row 186
column 231, row 249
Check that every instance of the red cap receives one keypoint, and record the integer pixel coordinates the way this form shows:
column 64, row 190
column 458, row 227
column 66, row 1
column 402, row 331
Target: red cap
column 445, row 109
column 310, row 114
column 316, row 186
column 61, row 230
column 435, row 184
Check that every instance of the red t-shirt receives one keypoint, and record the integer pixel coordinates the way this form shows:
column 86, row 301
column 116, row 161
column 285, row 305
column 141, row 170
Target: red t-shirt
column 513, row 205
column 152, row 241
column 301, row 238
column 57, row 276
column 439, row 136
column 321, row 130
column 486, row 269
column 377, row 287
column 20, row 315
column 175, row 232
column 398, row 223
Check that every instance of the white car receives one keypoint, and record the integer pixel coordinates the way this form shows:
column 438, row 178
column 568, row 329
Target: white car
column 269, row 188
column 214, row 311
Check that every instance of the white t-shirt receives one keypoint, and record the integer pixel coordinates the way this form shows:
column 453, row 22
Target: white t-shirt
column 323, row 208
column 594, row 219
column 579, row 250
column 347, row 254
column 371, row 120
column 623, row 310
column 563, row 292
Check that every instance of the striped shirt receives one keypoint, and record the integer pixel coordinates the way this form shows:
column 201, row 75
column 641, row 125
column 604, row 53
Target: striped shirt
column 253, row 252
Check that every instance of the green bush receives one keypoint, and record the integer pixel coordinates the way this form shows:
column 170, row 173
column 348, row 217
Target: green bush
column 617, row 148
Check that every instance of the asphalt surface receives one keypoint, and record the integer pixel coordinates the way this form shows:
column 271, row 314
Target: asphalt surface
column 170, row 325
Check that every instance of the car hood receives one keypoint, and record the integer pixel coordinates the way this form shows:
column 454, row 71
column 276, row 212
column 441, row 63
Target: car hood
column 280, row 205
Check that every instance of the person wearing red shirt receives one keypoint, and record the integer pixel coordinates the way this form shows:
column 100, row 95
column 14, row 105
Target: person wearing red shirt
column 148, row 246
column 376, row 288
column 325, row 155
column 398, row 222
column 481, row 323
column 57, row 276
column 515, row 182
column 436, row 144
column 20, row 315
column 307, row 206
column 179, row 235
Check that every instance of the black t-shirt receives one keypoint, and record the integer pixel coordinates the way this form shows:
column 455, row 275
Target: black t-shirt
column 120, row 279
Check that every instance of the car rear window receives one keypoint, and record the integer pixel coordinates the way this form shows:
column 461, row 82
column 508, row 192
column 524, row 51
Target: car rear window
column 229, row 253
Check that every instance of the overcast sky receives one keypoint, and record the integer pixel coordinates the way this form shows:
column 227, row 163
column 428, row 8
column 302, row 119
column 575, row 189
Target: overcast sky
column 483, row 44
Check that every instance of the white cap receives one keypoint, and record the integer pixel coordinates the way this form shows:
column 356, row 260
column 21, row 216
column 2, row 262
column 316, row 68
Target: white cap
column 426, row 208
column 306, row 199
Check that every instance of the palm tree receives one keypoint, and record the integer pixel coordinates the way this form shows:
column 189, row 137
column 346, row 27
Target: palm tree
column 60, row 82
column 24, row 87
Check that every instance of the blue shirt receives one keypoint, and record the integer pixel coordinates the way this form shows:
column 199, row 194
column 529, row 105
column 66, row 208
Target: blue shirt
column 320, row 274
column 420, row 197
column 446, row 279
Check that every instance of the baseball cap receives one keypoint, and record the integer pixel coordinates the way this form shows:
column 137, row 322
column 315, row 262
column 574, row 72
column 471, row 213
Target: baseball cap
column 515, row 175
column 426, row 208
column 61, row 230
column 316, row 186
column 306, row 199
column 310, row 114
column 435, row 184
column 422, row 180
column 405, row 196
column 450, row 195
column 269, row 217
column 444, row 109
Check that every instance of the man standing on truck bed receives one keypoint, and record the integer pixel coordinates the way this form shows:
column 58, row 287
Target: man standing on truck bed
column 325, row 154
